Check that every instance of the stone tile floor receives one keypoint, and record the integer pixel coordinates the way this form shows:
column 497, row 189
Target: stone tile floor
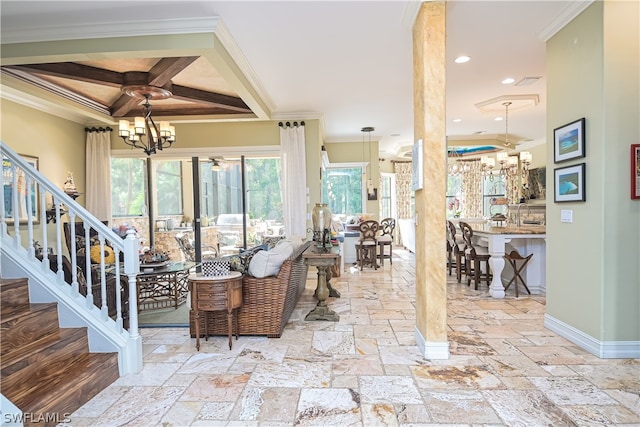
column 365, row 370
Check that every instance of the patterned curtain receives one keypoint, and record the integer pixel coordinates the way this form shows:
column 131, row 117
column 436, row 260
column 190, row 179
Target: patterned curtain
column 511, row 190
column 471, row 203
column 403, row 171
column 403, row 189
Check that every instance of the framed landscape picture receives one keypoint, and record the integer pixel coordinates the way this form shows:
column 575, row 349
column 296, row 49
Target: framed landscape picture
column 27, row 197
column 569, row 184
column 635, row 171
column 569, row 141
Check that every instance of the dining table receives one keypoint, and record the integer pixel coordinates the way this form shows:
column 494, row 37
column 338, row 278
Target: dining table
column 526, row 240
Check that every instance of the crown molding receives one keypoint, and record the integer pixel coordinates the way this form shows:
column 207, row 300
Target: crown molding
column 228, row 42
column 574, row 9
column 207, row 24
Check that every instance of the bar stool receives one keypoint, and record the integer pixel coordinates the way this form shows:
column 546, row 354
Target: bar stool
column 387, row 226
column 475, row 257
column 455, row 247
column 513, row 257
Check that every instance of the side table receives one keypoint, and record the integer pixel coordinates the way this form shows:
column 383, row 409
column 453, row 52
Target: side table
column 216, row 293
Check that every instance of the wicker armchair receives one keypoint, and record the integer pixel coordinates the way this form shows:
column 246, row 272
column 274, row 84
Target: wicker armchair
column 267, row 303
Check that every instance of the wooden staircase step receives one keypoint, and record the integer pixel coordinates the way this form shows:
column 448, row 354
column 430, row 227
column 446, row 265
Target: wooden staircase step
column 46, row 370
column 13, row 292
column 25, row 326
column 62, row 387
column 66, row 342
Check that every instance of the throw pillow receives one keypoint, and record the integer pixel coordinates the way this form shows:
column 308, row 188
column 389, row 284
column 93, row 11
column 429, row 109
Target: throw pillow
column 271, row 241
column 241, row 261
column 268, row 263
column 109, row 255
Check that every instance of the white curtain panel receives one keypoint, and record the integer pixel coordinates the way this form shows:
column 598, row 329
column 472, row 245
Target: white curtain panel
column 294, row 180
column 98, row 175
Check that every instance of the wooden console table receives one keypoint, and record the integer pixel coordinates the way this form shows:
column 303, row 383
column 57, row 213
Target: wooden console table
column 216, row 293
column 322, row 261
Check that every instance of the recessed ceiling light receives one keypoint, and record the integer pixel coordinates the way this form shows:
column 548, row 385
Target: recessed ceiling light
column 395, row 134
column 498, row 119
column 462, row 59
column 508, row 81
column 457, row 120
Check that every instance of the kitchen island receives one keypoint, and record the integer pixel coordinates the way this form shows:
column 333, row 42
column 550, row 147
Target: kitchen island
column 526, row 240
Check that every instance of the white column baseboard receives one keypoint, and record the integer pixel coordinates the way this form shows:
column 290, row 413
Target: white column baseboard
column 432, row 350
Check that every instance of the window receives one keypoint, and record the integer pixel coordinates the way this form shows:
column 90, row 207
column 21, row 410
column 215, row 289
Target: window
column 264, row 192
column 454, row 195
column 128, row 180
column 386, row 199
column 169, row 187
column 492, row 187
column 342, row 190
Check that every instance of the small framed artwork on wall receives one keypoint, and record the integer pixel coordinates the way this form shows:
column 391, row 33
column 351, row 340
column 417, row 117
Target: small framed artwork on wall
column 635, row 171
column 569, row 141
column 569, row 184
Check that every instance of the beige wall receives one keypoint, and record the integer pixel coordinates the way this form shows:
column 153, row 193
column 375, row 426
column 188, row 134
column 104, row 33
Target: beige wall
column 593, row 263
column 58, row 143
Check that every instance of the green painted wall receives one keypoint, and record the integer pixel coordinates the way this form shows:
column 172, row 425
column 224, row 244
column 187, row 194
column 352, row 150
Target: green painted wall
column 593, row 263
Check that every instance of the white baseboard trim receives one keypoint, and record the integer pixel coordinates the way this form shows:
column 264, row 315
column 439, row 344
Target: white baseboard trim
column 432, row 350
column 601, row 349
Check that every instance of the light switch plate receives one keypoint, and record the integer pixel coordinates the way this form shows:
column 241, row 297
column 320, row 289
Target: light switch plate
column 566, row 215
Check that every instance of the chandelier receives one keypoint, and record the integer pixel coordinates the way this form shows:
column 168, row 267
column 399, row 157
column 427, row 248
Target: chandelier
column 487, row 164
column 456, row 166
column 144, row 133
column 508, row 164
column 367, row 129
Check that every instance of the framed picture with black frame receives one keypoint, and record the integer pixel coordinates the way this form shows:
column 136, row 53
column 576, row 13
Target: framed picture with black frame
column 635, row 171
column 569, row 141
column 569, row 184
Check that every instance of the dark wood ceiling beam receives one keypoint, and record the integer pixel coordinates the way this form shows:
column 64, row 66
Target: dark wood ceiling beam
column 210, row 98
column 175, row 111
column 167, row 68
column 71, row 70
column 124, row 105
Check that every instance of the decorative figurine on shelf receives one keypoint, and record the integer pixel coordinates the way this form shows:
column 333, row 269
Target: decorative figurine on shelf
column 69, row 187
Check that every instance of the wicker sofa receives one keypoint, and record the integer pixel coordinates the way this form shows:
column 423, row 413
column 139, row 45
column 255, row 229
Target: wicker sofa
column 267, row 303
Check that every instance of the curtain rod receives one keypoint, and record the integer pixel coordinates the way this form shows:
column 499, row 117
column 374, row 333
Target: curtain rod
column 100, row 129
column 289, row 124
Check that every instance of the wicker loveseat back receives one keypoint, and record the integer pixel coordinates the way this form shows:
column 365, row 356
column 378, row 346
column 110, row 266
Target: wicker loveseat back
column 267, row 303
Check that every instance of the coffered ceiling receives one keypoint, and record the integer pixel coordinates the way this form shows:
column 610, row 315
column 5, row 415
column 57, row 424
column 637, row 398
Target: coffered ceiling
column 347, row 63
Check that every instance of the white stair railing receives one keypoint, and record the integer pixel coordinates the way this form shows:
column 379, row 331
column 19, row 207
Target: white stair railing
column 32, row 217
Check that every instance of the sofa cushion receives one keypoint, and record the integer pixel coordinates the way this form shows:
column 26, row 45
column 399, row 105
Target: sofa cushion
column 241, row 261
column 268, row 263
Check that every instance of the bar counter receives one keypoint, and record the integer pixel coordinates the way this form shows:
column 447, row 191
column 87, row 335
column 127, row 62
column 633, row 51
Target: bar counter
column 525, row 239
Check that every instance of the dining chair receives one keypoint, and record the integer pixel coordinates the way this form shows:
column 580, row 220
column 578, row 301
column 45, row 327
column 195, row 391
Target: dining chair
column 367, row 245
column 385, row 239
column 455, row 249
column 475, row 258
